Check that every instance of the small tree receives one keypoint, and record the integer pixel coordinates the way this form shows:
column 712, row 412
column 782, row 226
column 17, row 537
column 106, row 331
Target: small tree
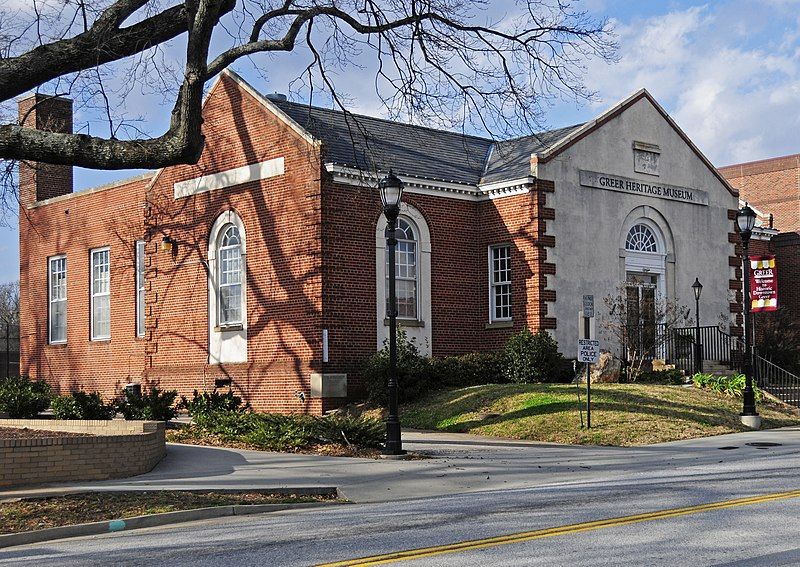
column 639, row 339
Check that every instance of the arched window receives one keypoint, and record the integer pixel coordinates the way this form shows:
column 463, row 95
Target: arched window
column 406, row 272
column 229, row 254
column 641, row 239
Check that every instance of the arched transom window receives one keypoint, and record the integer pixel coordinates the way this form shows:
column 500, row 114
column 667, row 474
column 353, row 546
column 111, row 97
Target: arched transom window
column 406, row 271
column 641, row 239
column 229, row 254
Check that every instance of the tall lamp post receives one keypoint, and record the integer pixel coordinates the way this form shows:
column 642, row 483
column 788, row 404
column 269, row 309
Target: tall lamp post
column 697, row 288
column 391, row 192
column 746, row 219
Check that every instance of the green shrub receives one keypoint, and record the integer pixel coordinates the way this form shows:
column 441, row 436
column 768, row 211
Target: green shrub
column 674, row 376
column 202, row 405
column 732, row 386
column 533, row 358
column 23, row 399
column 276, row 432
column 414, row 376
column 473, row 369
column 80, row 405
column 158, row 405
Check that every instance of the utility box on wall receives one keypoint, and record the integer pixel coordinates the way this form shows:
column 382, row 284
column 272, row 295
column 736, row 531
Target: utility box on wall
column 328, row 385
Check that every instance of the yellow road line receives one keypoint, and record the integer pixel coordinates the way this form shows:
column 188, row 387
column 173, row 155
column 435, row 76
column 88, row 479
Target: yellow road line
column 560, row 530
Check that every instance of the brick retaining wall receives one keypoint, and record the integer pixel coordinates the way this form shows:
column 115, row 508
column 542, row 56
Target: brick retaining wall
column 120, row 449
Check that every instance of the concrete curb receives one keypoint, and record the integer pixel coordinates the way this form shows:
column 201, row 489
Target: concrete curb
column 149, row 521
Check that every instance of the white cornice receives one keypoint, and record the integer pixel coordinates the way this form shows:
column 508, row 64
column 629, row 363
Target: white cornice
column 421, row 186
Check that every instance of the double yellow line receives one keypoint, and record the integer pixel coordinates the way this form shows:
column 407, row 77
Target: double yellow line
column 560, row 530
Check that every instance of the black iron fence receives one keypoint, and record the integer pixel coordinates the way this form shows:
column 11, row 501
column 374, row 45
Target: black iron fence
column 677, row 346
column 9, row 349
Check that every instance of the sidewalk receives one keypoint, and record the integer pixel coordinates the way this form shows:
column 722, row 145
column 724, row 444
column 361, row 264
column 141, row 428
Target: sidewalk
column 461, row 463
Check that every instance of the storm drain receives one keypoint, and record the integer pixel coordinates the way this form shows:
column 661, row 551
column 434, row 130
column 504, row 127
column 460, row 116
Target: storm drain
column 728, row 448
column 763, row 444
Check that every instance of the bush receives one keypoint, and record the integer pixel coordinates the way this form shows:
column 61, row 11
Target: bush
column 158, row 405
column 732, row 386
column 473, row 369
column 414, row 376
column 674, row 376
column 80, row 405
column 23, row 399
column 277, row 432
column 202, row 406
column 533, row 358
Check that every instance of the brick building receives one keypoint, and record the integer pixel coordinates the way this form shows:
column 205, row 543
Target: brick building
column 264, row 262
column 772, row 187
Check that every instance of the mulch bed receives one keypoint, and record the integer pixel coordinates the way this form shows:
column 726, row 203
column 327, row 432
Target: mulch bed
column 25, row 433
column 40, row 513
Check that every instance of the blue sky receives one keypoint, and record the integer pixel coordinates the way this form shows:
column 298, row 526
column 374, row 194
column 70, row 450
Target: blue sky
column 727, row 71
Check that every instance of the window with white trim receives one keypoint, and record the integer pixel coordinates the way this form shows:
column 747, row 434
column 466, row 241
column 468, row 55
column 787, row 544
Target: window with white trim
column 406, row 272
column 229, row 255
column 500, row 283
column 140, row 288
column 101, row 294
column 57, row 295
column 641, row 239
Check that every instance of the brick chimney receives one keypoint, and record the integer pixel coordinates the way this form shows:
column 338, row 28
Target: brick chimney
column 39, row 181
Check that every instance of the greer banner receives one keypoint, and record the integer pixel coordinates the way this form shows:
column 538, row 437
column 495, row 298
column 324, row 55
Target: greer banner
column 763, row 284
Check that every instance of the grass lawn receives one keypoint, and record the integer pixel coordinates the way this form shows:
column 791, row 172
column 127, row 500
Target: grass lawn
column 41, row 513
column 622, row 414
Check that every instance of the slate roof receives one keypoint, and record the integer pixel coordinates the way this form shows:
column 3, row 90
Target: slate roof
column 368, row 143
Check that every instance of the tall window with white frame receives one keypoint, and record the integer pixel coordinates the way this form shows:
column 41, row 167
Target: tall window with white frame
column 406, row 272
column 57, row 310
column 500, row 283
column 229, row 256
column 140, row 288
column 101, row 294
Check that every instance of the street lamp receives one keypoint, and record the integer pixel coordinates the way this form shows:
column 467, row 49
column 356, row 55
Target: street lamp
column 697, row 288
column 391, row 192
column 746, row 219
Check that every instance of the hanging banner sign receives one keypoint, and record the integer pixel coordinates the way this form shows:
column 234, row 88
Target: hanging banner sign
column 763, row 284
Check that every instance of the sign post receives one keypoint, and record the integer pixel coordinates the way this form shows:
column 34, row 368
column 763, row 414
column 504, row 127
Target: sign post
column 588, row 352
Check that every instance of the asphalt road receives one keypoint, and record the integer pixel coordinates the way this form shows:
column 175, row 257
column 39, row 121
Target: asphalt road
column 758, row 531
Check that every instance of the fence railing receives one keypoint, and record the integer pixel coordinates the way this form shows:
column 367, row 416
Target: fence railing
column 9, row 350
column 677, row 347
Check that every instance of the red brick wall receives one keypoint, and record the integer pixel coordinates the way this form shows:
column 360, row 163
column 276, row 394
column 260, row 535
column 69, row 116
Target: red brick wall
column 772, row 186
column 73, row 227
column 282, row 218
column 461, row 232
column 787, row 252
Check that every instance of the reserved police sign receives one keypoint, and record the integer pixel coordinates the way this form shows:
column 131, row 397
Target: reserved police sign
column 588, row 350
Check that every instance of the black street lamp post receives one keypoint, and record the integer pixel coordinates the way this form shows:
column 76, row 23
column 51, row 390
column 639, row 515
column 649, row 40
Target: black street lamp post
column 697, row 287
column 746, row 219
column 391, row 192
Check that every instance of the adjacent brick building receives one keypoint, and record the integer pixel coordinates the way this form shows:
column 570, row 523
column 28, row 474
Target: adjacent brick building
column 772, row 187
column 264, row 264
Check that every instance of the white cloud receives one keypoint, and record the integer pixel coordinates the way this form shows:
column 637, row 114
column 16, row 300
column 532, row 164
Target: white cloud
column 730, row 79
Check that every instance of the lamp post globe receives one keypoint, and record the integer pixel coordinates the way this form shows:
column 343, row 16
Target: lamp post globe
column 746, row 221
column 697, row 288
column 391, row 188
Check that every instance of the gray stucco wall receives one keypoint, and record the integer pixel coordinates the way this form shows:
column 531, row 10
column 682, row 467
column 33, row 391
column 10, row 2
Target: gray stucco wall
column 591, row 223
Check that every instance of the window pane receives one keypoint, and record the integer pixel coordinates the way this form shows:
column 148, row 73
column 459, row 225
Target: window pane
column 101, row 301
column 406, row 273
column 406, row 298
column 500, row 282
column 230, row 304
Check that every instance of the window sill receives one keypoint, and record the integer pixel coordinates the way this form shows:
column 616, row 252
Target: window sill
column 60, row 344
column 229, row 328
column 100, row 340
column 405, row 323
column 499, row 325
